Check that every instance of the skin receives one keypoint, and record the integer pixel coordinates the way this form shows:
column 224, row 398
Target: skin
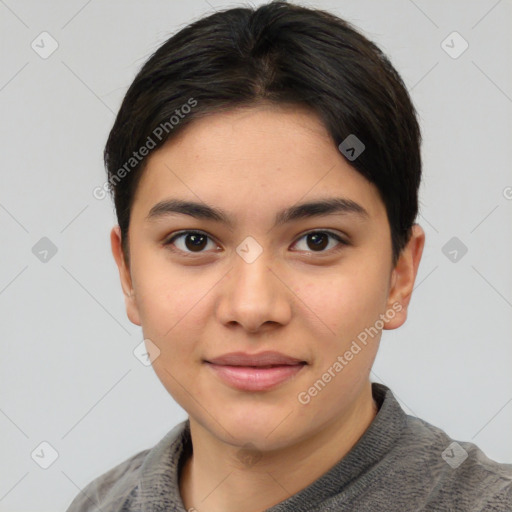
column 302, row 301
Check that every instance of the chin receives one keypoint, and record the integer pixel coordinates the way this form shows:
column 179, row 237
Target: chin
column 266, row 427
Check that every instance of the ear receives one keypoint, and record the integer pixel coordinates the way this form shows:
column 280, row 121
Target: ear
column 124, row 273
column 403, row 277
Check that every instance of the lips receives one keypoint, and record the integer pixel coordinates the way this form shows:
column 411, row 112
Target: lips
column 255, row 372
column 263, row 359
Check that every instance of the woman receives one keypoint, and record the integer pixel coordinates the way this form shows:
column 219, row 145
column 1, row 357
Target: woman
column 265, row 166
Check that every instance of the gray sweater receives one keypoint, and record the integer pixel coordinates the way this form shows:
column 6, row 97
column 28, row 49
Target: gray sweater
column 401, row 463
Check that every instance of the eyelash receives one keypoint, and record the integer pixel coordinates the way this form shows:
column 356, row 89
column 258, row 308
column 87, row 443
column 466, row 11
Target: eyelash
column 169, row 242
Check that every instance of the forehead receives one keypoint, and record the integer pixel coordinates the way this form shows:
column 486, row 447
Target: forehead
column 257, row 158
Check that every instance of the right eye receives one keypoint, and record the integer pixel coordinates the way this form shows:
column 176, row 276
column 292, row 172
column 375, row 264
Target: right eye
column 190, row 242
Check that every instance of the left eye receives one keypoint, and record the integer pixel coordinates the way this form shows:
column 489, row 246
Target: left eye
column 319, row 239
column 195, row 241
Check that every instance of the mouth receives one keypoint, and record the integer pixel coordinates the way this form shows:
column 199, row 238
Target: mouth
column 255, row 372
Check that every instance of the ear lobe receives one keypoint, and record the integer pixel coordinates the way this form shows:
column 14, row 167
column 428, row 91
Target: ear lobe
column 125, row 276
column 403, row 277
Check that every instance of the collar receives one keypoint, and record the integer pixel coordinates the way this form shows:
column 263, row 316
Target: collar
column 159, row 484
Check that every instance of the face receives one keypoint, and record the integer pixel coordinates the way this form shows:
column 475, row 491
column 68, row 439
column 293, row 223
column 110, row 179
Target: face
column 314, row 284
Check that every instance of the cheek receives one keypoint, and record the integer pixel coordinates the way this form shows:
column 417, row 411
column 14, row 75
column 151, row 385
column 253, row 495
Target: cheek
column 172, row 314
column 170, row 301
column 346, row 302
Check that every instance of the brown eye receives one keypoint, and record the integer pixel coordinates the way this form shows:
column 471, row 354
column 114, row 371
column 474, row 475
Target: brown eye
column 317, row 241
column 189, row 241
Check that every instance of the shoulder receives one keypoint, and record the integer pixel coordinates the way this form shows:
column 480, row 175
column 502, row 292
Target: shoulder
column 117, row 489
column 458, row 471
column 112, row 487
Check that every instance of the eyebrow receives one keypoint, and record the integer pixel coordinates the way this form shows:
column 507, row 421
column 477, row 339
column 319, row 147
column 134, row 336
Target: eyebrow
column 317, row 208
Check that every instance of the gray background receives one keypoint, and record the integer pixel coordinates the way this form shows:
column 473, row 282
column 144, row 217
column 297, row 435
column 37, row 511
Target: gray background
column 68, row 373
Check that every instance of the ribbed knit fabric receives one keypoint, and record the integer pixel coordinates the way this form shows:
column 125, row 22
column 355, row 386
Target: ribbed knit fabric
column 400, row 464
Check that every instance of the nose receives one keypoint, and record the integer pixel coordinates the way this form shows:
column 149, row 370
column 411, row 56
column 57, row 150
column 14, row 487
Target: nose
column 254, row 296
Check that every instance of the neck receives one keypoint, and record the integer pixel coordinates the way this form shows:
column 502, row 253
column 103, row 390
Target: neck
column 214, row 479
